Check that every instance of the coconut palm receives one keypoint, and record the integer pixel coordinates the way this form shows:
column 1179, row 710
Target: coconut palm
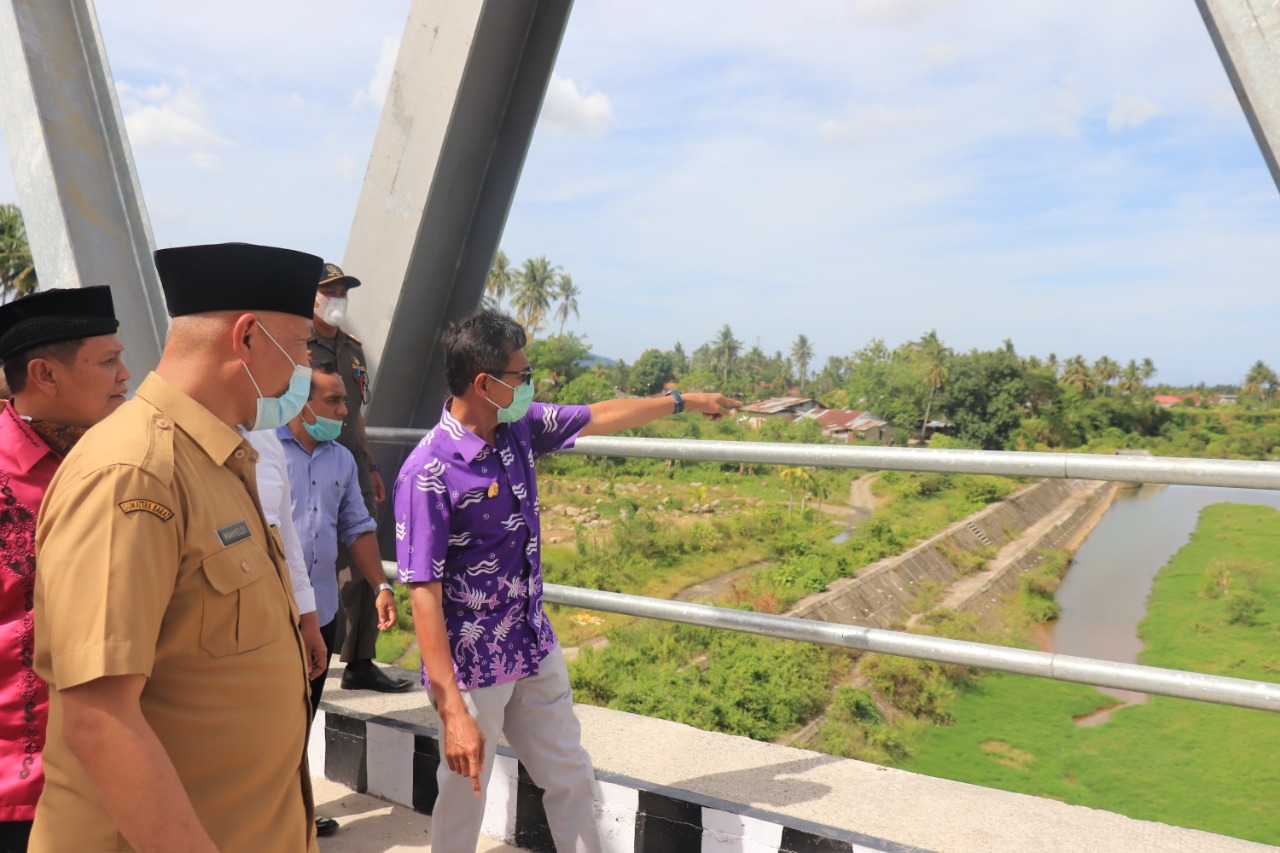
column 1148, row 369
column 500, row 280
column 724, row 352
column 1260, row 381
column 17, row 270
column 935, row 355
column 567, row 295
column 533, row 290
column 1131, row 378
column 1076, row 374
column 1106, row 370
column 801, row 355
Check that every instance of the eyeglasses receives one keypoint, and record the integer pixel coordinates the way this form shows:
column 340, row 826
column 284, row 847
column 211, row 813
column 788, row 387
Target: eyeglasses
column 526, row 375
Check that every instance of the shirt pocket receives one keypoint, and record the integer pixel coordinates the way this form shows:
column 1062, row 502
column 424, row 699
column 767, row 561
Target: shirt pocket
column 241, row 610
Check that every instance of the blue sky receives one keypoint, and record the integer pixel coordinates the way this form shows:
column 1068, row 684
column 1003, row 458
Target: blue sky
column 1075, row 176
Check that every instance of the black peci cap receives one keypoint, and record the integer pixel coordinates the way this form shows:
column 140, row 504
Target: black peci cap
column 238, row 277
column 56, row 315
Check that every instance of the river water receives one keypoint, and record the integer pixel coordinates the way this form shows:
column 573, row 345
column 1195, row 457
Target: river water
column 1104, row 594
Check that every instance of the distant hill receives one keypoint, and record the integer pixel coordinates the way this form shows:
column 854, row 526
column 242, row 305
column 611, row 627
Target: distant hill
column 591, row 360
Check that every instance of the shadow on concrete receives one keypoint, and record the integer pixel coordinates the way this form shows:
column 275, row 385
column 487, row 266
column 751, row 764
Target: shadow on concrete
column 765, row 785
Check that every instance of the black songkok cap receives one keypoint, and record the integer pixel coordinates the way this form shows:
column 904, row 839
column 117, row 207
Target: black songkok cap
column 56, row 315
column 238, row 277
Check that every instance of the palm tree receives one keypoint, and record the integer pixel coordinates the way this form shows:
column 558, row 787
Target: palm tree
column 1052, row 363
column 1148, row 369
column 534, row 287
column 500, row 280
column 724, row 349
column 801, row 355
column 1260, row 381
column 1131, row 378
column 567, row 293
column 935, row 355
column 17, row 270
column 1076, row 373
column 1106, row 370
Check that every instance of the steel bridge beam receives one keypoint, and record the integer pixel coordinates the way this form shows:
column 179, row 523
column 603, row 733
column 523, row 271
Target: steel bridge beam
column 464, row 99
column 1247, row 36
column 76, row 182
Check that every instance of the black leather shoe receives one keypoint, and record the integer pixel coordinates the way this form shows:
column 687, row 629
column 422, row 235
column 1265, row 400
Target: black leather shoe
column 326, row 826
column 374, row 678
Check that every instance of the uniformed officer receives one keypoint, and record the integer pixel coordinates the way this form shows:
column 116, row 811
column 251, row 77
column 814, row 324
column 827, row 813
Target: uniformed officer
column 332, row 344
column 169, row 641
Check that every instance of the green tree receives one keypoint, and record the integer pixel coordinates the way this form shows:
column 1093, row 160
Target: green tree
column 567, row 294
column 498, row 282
column 984, row 395
column 535, row 286
column 1106, row 370
column 1131, row 381
column 1260, row 382
column 1076, row 374
column 17, row 270
column 935, row 355
column 724, row 351
column 651, row 372
column 585, row 390
column 558, row 358
column 801, row 355
column 1148, row 370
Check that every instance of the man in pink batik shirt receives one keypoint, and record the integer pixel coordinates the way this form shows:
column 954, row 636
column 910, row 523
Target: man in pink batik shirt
column 63, row 368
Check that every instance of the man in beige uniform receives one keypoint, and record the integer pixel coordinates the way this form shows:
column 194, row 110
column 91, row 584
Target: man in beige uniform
column 178, row 681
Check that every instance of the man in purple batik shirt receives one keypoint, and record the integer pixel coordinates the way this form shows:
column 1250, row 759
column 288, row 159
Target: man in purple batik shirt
column 467, row 543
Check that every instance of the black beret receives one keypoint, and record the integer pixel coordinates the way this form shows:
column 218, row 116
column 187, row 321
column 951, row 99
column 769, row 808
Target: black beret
column 238, row 277
column 56, row 315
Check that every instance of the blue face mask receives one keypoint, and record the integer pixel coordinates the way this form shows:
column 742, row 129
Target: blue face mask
column 275, row 412
column 519, row 407
column 324, row 429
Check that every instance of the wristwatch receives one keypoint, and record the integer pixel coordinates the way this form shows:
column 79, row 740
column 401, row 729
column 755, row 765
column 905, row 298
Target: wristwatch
column 380, row 587
column 679, row 398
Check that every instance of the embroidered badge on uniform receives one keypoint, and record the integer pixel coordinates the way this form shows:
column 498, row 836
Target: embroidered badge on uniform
column 160, row 511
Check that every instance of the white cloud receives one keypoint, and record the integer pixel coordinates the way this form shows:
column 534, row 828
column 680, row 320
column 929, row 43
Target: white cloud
column 158, row 117
column 1067, row 109
column 896, row 11
column 872, row 121
column 569, row 112
column 1129, row 111
column 375, row 92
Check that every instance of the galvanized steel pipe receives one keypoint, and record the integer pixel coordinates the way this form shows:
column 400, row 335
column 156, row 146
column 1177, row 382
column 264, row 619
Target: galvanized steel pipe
column 1081, row 466
column 1215, row 689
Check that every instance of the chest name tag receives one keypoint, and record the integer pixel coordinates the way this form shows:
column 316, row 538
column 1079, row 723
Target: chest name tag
column 233, row 533
column 160, row 511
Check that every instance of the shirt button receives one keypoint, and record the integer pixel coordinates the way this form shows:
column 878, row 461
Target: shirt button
column 244, row 564
column 239, row 454
column 163, row 424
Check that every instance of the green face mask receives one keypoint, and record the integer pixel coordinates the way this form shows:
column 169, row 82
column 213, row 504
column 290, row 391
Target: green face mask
column 324, row 429
column 519, row 403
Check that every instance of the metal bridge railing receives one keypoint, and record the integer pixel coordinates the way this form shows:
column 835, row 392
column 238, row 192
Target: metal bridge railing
column 1216, row 689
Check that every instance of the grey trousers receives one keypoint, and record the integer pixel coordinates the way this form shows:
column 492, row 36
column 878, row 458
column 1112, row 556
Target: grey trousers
column 536, row 715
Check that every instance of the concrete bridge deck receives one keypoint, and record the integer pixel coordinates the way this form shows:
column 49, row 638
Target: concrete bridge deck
column 668, row 787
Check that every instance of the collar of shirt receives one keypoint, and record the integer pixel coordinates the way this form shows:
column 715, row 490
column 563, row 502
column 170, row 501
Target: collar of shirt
column 27, row 447
column 469, row 444
column 211, row 435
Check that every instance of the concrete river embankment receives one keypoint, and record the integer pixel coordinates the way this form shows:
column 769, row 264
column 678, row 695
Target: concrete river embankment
column 1048, row 514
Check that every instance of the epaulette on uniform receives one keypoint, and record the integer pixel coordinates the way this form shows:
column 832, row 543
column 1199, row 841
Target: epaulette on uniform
column 353, row 338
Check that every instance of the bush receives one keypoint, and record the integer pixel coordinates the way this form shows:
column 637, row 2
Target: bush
column 1244, row 607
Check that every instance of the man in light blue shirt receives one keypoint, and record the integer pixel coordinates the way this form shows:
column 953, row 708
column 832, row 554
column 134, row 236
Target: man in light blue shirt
column 324, row 486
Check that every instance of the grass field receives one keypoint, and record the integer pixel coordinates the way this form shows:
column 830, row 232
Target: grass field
column 1175, row 761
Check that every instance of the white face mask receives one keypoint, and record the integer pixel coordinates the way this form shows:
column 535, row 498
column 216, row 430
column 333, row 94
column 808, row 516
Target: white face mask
column 331, row 309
